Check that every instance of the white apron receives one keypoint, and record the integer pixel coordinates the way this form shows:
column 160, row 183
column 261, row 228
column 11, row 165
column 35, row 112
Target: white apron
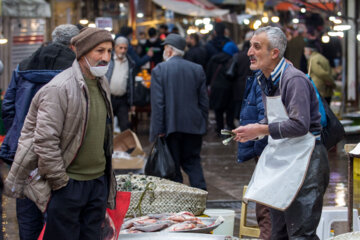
column 282, row 166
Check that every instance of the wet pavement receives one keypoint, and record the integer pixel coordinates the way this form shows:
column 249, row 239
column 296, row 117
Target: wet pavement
column 226, row 178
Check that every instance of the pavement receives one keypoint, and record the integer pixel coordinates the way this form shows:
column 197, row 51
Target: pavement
column 226, row 178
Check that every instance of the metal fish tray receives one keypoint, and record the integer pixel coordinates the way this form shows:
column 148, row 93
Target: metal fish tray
column 172, row 236
column 210, row 222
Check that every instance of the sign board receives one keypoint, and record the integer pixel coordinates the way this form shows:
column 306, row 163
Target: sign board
column 104, row 22
column 28, row 34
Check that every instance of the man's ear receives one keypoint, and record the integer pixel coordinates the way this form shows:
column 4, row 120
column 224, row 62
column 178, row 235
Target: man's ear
column 275, row 53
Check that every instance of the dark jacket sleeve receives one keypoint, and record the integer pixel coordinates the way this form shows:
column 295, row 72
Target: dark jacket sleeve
column 203, row 96
column 296, row 98
column 8, row 105
column 139, row 61
column 157, row 123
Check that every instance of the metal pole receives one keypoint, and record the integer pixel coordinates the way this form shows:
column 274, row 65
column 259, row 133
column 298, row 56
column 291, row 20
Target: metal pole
column 350, row 192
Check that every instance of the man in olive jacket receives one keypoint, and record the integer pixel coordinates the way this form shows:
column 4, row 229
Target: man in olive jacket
column 62, row 163
column 319, row 70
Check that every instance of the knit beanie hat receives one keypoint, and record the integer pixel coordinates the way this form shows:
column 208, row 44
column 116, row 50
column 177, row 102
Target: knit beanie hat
column 230, row 48
column 89, row 38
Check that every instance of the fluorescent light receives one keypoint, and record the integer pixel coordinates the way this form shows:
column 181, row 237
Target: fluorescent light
column 206, row 21
column 246, row 21
column 303, row 10
column 325, row 39
column 295, row 20
column 342, row 27
column 336, row 34
column 140, row 15
column 83, row 21
column 3, row 40
column 275, row 19
column 265, row 19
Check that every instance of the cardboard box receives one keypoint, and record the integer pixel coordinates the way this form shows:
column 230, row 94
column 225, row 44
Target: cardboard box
column 125, row 142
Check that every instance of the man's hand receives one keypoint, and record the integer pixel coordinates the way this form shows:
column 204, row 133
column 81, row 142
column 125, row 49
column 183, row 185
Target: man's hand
column 150, row 52
column 250, row 132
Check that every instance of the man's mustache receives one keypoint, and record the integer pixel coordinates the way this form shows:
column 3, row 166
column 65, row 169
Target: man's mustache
column 102, row 63
column 252, row 58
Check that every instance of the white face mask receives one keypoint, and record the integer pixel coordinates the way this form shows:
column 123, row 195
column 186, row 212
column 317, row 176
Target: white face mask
column 142, row 41
column 98, row 71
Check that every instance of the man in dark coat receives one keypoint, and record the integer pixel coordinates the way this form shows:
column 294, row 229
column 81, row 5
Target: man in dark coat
column 154, row 43
column 221, row 93
column 30, row 75
column 179, row 105
column 216, row 44
column 196, row 52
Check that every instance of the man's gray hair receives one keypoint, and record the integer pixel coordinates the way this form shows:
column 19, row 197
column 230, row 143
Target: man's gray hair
column 177, row 52
column 121, row 40
column 63, row 33
column 276, row 37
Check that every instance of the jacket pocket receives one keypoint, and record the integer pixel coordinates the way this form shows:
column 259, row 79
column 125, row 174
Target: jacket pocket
column 38, row 190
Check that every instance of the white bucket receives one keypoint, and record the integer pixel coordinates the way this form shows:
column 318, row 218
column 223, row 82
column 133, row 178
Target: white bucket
column 227, row 227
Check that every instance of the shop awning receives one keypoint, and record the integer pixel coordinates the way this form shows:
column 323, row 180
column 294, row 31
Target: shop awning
column 295, row 5
column 196, row 8
column 25, row 8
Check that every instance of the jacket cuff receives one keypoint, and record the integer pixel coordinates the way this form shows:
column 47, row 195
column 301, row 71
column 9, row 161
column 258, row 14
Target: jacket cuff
column 59, row 182
column 274, row 130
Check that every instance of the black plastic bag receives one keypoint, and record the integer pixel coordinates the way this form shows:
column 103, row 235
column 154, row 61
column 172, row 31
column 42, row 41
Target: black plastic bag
column 334, row 130
column 141, row 95
column 160, row 162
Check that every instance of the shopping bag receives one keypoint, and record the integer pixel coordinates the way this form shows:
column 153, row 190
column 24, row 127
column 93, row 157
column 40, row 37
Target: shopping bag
column 334, row 131
column 160, row 162
column 141, row 95
column 114, row 217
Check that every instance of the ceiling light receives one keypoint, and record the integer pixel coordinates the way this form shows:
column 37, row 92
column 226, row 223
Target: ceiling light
column 295, row 20
column 336, row 34
column 337, row 21
column 246, row 21
column 265, row 19
column 332, row 18
column 108, row 29
column 275, row 19
column 342, row 27
column 303, row 10
column 204, row 31
column 339, row 13
column 206, row 20
column 198, row 22
column 140, row 15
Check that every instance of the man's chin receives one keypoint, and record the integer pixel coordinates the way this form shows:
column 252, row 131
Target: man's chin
column 253, row 67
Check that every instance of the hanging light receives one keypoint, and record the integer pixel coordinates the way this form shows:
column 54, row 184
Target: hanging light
column 92, row 25
column 257, row 24
column 206, row 21
column 246, row 21
column 339, row 13
column 275, row 19
column 3, row 40
column 295, row 20
column 265, row 19
column 337, row 21
column 140, row 15
column 204, row 31
column 209, row 27
column 198, row 22
column 325, row 39
column 83, row 21
column 332, row 18
column 108, row 29
column 303, row 10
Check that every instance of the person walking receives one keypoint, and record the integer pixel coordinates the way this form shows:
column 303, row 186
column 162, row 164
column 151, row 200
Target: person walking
column 63, row 160
column 196, row 52
column 319, row 70
column 221, row 86
column 121, row 78
column 179, row 109
column 292, row 173
column 29, row 76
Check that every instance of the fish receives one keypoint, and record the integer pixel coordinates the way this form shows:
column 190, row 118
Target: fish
column 154, row 227
column 181, row 227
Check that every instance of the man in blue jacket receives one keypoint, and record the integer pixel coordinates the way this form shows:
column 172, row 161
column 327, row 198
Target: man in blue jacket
column 29, row 76
column 179, row 109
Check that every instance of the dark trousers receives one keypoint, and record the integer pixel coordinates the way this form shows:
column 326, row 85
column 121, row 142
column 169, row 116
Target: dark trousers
column 121, row 111
column 300, row 220
column 229, row 118
column 30, row 219
column 185, row 149
column 76, row 212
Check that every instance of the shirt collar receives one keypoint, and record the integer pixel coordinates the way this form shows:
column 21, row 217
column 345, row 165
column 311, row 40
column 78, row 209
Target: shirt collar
column 276, row 73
